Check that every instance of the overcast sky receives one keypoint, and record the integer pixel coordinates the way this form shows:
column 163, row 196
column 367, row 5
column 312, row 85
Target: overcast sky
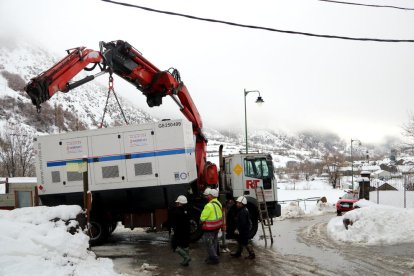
column 359, row 90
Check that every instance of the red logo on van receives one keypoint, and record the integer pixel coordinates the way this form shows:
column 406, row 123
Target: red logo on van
column 251, row 184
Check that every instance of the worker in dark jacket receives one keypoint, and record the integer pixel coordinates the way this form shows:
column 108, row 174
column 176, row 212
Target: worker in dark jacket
column 180, row 223
column 243, row 227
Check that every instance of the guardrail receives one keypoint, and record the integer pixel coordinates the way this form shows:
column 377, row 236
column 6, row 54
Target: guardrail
column 299, row 200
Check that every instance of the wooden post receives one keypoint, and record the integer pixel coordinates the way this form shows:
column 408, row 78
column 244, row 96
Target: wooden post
column 85, row 184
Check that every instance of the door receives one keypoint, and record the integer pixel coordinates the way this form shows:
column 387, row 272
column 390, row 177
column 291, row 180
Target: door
column 140, row 155
column 107, row 159
column 72, row 150
column 23, row 199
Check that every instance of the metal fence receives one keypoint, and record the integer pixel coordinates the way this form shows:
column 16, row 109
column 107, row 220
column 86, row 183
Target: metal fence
column 397, row 192
column 300, row 201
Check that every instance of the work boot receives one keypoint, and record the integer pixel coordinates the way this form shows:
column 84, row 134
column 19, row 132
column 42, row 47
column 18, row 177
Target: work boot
column 250, row 257
column 235, row 254
column 187, row 258
column 251, row 252
column 211, row 261
column 184, row 255
column 238, row 252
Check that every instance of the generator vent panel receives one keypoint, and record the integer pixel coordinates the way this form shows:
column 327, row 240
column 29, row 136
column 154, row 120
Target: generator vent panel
column 55, row 176
column 110, row 172
column 143, row 169
column 75, row 176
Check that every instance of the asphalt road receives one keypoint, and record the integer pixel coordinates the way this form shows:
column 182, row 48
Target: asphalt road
column 301, row 247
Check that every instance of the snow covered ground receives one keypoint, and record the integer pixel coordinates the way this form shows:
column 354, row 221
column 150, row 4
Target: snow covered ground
column 34, row 242
column 372, row 224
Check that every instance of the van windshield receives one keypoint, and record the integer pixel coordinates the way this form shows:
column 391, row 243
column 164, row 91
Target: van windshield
column 257, row 168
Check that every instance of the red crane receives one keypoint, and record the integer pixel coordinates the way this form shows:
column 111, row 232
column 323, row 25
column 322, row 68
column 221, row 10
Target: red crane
column 121, row 58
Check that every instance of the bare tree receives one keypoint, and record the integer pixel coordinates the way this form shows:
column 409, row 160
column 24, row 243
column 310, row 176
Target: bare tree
column 16, row 152
column 408, row 132
column 332, row 163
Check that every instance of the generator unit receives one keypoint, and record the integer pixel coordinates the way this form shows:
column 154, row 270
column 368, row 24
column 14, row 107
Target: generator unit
column 131, row 169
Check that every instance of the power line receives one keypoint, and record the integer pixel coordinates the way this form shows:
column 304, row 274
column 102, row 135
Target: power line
column 258, row 27
column 367, row 5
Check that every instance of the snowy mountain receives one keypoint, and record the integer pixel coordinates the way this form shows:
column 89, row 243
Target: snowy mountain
column 83, row 107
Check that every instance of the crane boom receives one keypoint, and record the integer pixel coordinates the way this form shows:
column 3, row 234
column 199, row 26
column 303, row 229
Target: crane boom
column 121, row 58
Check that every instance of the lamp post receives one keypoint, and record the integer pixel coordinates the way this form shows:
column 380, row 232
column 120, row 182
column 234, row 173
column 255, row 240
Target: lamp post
column 259, row 100
column 352, row 163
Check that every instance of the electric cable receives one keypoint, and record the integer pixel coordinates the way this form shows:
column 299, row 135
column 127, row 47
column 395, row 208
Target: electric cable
column 367, row 5
column 259, row 27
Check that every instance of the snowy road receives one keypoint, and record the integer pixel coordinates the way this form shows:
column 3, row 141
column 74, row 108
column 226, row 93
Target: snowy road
column 301, row 247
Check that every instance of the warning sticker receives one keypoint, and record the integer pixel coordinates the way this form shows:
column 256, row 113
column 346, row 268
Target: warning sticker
column 238, row 169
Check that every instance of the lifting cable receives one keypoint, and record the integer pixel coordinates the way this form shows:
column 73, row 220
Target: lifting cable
column 111, row 88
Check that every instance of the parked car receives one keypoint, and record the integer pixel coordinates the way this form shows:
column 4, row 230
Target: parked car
column 346, row 202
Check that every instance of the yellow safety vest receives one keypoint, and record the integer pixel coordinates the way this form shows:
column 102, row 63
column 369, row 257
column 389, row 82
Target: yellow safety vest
column 212, row 216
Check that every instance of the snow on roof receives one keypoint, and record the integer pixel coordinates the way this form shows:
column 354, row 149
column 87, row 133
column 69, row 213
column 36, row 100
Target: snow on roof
column 360, row 179
column 377, row 172
column 406, row 168
column 370, row 167
column 22, row 180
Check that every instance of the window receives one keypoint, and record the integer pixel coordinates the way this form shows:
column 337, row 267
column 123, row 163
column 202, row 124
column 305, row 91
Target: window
column 256, row 168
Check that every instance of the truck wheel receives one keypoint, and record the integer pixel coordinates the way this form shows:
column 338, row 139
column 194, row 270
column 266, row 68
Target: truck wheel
column 254, row 218
column 231, row 223
column 98, row 232
column 112, row 227
column 196, row 231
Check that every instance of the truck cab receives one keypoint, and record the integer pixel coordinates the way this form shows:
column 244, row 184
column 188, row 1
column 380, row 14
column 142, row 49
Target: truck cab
column 244, row 172
column 240, row 175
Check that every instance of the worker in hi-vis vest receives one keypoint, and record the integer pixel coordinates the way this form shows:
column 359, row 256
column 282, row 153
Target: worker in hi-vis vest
column 212, row 220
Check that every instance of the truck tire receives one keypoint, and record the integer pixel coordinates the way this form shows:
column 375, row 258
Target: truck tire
column 98, row 232
column 254, row 218
column 196, row 231
column 231, row 223
column 112, row 227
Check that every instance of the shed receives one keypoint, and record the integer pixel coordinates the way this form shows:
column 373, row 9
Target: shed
column 17, row 192
column 381, row 174
column 386, row 187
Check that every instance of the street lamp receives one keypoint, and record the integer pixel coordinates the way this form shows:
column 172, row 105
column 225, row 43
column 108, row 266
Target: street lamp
column 259, row 101
column 352, row 162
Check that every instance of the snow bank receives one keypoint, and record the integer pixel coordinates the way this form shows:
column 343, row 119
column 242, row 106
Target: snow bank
column 294, row 210
column 36, row 241
column 302, row 200
column 374, row 225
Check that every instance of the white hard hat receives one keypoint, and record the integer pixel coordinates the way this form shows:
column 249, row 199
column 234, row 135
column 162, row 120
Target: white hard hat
column 181, row 199
column 214, row 192
column 207, row 192
column 242, row 199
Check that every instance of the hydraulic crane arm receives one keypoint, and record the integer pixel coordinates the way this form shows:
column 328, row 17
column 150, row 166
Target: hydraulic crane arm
column 129, row 64
column 121, row 58
column 57, row 78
